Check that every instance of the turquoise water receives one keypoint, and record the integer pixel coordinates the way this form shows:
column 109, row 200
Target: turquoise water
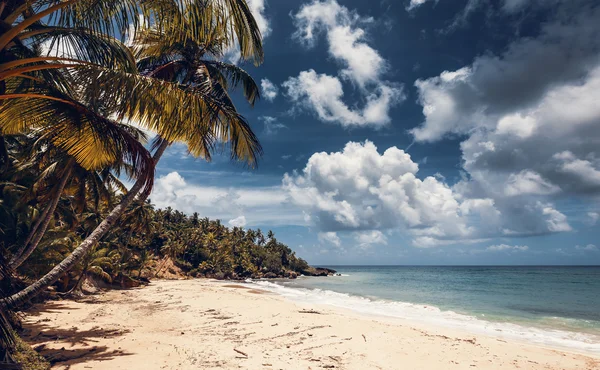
column 557, row 306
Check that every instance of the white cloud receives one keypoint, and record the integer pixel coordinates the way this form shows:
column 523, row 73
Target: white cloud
column 267, row 205
column 269, row 90
column 361, row 65
column 331, row 238
column 556, row 221
column 239, row 221
column 415, row 4
column 323, row 94
column 499, row 91
column 585, row 171
column 592, row 218
column 531, row 133
column 529, row 182
column 271, row 125
column 587, row 248
column 258, row 9
column 366, row 239
column 360, row 189
column 505, row 247
column 508, row 6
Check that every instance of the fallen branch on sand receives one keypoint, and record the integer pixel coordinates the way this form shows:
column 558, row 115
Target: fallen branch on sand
column 240, row 352
column 310, row 311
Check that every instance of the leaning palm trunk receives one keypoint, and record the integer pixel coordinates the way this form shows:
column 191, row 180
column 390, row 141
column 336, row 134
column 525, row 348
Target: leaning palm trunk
column 7, row 339
column 40, row 228
column 32, row 233
column 85, row 247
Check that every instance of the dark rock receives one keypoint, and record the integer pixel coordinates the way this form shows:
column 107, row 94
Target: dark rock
column 125, row 281
column 318, row 271
column 270, row 275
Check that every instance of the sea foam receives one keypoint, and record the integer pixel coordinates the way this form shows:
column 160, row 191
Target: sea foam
column 582, row 342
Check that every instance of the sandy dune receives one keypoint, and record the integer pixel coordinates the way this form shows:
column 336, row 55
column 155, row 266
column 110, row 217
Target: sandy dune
column 200, row 324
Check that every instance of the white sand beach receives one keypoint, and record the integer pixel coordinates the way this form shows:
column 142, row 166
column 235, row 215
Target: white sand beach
column 203, row 324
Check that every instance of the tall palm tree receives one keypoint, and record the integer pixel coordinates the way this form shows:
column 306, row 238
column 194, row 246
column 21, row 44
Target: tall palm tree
column 86, row 183
column 40, row 227
column 201, row 116
column 88, row 26
column 7, row 339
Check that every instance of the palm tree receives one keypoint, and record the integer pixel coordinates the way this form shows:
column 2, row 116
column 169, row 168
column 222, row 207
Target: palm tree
column 86, row 29
column 85, row 182
column 202, row 116
column 41, row 225
column 7, row 339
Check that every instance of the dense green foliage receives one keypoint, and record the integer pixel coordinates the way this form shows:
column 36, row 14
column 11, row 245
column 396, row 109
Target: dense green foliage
column 133, row 247
column 207, row 248
column 73, row 75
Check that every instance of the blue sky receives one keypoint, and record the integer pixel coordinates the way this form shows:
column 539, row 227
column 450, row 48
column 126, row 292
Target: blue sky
column 416, row 132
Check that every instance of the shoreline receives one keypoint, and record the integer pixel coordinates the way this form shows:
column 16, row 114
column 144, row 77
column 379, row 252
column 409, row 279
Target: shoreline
column 209, row 324
column 431, row 316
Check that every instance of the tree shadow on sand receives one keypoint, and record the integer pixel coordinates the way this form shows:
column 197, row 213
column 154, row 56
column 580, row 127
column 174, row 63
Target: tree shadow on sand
column 49, row 307
column 78, row 346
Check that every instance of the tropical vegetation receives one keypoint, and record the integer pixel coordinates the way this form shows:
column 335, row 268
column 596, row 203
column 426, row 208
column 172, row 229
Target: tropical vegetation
column 81, row 84
column 143, row 243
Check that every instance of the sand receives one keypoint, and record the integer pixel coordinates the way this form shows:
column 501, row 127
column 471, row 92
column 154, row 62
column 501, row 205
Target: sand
column 202, row 324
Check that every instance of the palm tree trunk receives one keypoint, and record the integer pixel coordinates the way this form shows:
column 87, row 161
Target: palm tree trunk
column 40, row 228
column 85, row 247
column 32, row 233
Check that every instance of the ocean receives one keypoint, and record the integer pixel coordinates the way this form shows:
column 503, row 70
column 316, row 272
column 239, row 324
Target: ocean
column 547, row 305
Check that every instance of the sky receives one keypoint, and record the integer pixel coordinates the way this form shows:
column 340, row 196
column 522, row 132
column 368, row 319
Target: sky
column 419, row 132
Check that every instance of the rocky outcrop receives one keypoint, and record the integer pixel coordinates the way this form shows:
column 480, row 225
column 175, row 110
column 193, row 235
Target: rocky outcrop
column 283, row 274
column 318, row 271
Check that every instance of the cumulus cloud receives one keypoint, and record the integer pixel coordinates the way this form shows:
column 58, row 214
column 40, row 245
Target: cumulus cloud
column 360, row 64
column 493, row 88
column 330, row 237
column 267, row 205
column 239, row 221
column 530, row 133
column 586, row 172
column 362, row 190
column 505, row 247
column 269, row 90
column 528, row 182
column 323, row 94
column 366, row 239
column 550, row 149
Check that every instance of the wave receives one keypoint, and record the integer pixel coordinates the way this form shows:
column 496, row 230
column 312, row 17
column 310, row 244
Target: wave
column 427, row 314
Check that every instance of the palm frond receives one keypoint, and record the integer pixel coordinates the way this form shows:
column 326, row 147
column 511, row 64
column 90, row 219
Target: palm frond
column 107, row 17
column 231, row 76
column 198, row 117
column 93, row 140
column 80, row 44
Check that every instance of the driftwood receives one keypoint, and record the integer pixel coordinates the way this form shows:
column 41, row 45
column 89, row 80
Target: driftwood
column 240, row 352
column 365, row 338
column 310, row 311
